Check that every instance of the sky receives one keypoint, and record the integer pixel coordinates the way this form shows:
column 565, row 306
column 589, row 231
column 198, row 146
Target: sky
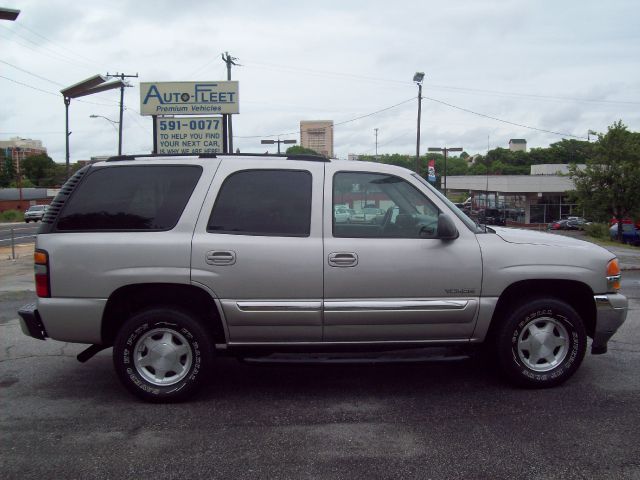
column 494, row 69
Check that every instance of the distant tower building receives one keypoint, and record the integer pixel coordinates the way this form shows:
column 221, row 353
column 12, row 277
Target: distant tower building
column 317, row 135
column 518, row 145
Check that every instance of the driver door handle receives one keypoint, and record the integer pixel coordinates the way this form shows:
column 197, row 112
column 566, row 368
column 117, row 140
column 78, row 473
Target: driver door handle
column 343, row 259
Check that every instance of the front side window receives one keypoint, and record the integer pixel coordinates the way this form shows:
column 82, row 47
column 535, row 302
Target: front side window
column 373, row 205
column 264, row 202
column 137, row 198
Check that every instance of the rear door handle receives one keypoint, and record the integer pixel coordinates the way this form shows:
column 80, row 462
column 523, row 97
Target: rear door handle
column 221, row 257
column 343, row 259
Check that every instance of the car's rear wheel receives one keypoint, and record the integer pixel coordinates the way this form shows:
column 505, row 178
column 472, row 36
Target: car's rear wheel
column 162, row 354
column 541, row 344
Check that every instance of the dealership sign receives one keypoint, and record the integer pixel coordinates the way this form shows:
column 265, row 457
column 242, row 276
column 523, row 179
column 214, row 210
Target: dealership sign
column 189, row 135
column 188, row 98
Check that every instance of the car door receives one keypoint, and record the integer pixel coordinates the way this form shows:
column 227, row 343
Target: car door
column 257, row 248
column 393, row 279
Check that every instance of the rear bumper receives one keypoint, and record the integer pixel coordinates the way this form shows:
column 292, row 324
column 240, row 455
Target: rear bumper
column 31, row 323
column 611, row 312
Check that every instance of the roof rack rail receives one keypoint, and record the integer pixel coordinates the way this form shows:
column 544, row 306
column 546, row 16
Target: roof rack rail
column 307, row 157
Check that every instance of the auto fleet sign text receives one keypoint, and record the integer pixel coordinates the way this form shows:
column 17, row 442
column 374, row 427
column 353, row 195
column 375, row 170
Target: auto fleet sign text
column 188, row 98
column 190, row 135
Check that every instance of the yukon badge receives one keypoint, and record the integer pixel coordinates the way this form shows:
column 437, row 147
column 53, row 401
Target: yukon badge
column 460, row 291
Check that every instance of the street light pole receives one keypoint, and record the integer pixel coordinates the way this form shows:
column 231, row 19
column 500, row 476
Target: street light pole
column 95, row 84
column 67, row 101
column 418, row 78
column 445, row 151
column 271, row 142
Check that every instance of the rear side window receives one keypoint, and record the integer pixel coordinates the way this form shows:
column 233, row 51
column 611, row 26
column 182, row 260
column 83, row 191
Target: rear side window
column 150, row 197
column 264, row 202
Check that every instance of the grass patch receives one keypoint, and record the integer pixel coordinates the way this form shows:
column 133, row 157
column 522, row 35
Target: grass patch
column 11, row 216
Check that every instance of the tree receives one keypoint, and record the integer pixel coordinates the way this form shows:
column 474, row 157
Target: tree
column 298, row 150
column 610, row 184
column 37, row 168
column 7, row 172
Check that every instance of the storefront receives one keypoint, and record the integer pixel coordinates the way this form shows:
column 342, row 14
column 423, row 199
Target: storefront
column 522, row 199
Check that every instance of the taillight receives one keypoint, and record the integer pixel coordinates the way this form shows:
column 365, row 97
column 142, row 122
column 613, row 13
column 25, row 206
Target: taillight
column 41, row 267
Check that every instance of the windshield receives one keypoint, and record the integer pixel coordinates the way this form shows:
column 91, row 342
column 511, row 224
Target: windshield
column 473, row 226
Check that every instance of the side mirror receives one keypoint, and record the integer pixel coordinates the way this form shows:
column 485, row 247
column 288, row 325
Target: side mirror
column 446, row 228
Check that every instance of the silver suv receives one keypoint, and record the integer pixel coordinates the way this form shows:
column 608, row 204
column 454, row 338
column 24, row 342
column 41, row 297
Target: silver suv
column 35, row 213
column 171, row 260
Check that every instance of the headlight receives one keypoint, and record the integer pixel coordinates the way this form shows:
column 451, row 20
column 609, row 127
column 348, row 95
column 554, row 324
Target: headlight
column 613, row 276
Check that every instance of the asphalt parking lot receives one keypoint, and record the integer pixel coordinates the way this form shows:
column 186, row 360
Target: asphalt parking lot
column 63, row 419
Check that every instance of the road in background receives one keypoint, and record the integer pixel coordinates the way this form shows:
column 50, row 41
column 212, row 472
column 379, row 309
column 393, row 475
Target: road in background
column 23, row 233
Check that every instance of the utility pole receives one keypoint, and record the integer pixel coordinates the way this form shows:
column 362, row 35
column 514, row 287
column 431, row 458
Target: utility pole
column 226, row 118
column 376, row 130
column 121, row 76
column 418, row 78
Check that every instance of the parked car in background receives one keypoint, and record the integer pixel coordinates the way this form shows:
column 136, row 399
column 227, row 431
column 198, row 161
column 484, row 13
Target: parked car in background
column 566, row 224
column 630, row 233
column 577, row 223
column 368, row 215
column 35, row 213
column 342, row 214
column 492, row 216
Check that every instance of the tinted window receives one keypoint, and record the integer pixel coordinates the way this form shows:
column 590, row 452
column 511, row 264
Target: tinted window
column 384, row 207
column 264, row 202
column 130, row 198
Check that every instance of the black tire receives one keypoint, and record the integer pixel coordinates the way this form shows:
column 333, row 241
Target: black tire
column 163, row 354
column 541, row 344
column 26, row 221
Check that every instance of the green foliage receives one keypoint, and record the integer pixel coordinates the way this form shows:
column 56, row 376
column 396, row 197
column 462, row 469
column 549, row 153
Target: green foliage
column 11, row 216
column 298, row 150
column 609, row 186
column 597, row 230
column 24, row 183
column 38, row 169
column 7, row 173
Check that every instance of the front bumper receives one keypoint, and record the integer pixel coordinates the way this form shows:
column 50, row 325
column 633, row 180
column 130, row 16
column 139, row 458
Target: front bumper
column 611, row 312
column 31, row 323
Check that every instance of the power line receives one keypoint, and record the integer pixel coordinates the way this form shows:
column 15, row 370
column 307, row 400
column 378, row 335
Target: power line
column 53, row 54
column 57, row 94
column 32, row 74
column 326, row 73
column 335, row 124
column 33, row 32
column 503, row 121
column 206, row 64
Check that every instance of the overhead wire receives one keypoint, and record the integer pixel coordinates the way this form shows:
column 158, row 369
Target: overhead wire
column 468, row 90
column 66, row 50
column 332, row 126
column 502, row 120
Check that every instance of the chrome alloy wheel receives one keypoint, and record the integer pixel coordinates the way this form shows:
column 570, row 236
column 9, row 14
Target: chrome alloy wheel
column 543, row 344
column 162, row 357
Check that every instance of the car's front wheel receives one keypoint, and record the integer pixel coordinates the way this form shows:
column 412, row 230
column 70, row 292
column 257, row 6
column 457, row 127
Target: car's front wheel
column 162, row 354
column 541, row 343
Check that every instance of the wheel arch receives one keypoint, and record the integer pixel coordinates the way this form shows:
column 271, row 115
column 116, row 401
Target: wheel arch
column 130, row 299
column 576, row 294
